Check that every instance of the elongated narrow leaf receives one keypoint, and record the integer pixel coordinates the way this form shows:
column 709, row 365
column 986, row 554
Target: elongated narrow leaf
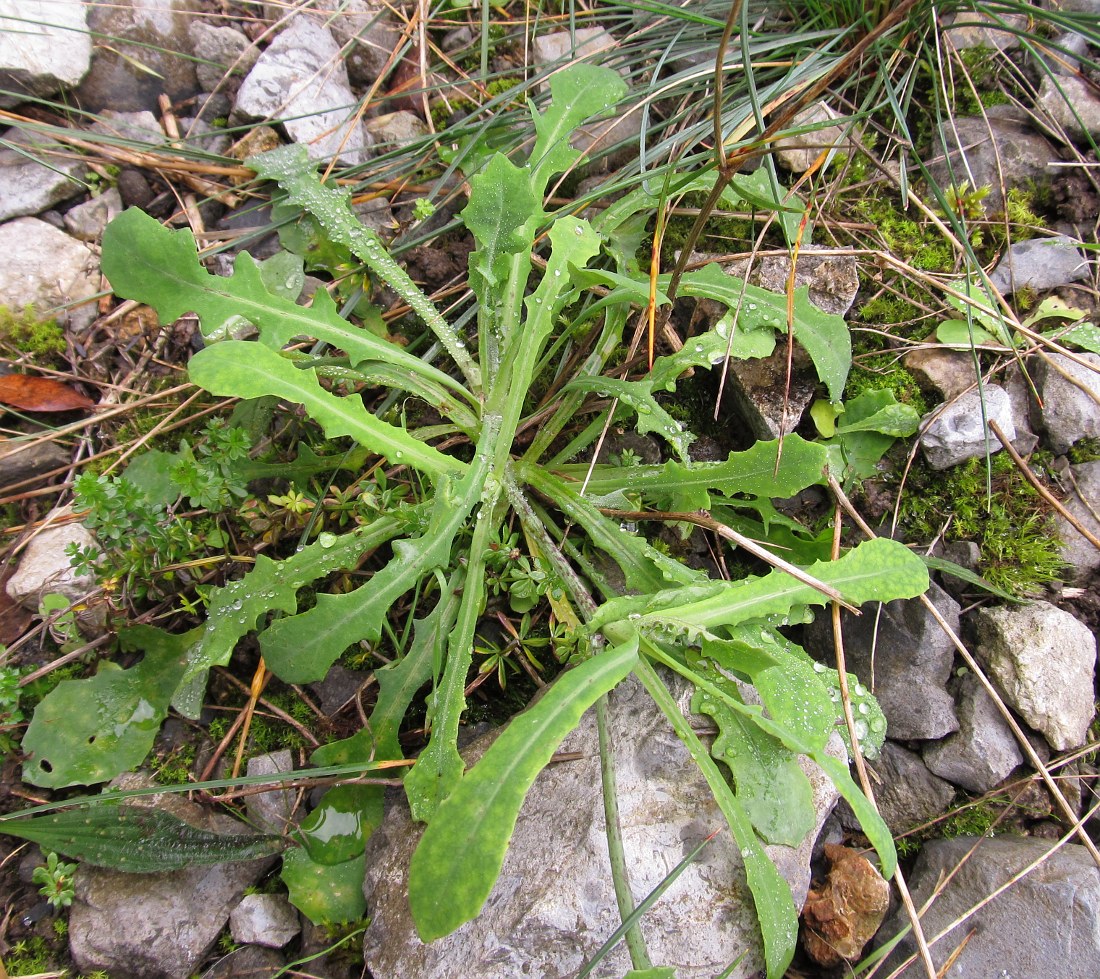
column 88, row 731
column 876, row 570
column 237, row 368
column 751, row 473
column 639, row 396
column 301, row 648
column 145, row 261
column 136, row 839
column 291, row 167
column 461, row 853
column 237, row 608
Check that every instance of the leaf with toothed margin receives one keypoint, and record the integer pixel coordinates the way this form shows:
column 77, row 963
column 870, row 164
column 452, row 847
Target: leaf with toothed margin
column 639, row 396
column 237, row 368
column 301, row 648
column 145, row 261
column 576, row 95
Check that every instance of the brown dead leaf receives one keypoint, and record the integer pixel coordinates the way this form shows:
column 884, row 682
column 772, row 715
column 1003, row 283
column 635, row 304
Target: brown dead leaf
column 14, row 619
column 32, row 393
column 843, row 914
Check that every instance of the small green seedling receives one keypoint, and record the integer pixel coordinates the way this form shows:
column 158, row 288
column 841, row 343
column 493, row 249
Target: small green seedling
column 56, row 878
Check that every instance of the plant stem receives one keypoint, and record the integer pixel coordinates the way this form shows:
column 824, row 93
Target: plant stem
column 620, row 875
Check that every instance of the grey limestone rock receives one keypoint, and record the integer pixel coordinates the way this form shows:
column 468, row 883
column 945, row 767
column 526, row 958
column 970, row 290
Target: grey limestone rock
column 367, row 32
column 301, row 81
column 1083, row 501
column 397, row 129
column 87, row 221
column 44, row 567
column 49, row 270
column 271, row 812
column 157, row 926
column 1071, row 106
column 906, row 792
column 249, row 962
column 32, row 178
column 1047, row 924
column 147, row 51
column 264, row 919
column 21, row 460
column 222, row 52
column 553, row 905
column 798, row 152
column 958, row 431
column 1040, row 264
column 983, row 752
column 833, row 280
column 1042, row 661
column 44, row 46
column 974, row 29
column 1069, row 389
column 900, row 652
column 989, row 152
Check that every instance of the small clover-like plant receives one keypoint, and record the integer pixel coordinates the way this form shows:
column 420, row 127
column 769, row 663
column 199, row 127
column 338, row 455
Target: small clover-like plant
column 502, row 509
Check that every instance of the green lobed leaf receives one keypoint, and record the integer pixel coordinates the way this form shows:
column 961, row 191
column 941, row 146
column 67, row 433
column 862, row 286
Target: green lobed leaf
column 337, row 829
column 751, row 473
column 461, row 852
column 135, row 839
column 301, row 648
column 876, row 570
column 824, row 335
column 639, row 396
column 238, row 607
column 90, row 730
column 145, row 261
column 327, row 894
column 579, row 92
column 770, row 783
column 237, row 368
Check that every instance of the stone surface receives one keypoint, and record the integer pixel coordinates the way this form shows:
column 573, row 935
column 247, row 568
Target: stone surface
column 44, row 46
column 365, row 30
column 264, row 919
column 759, row 393
column 301, row 80
column 979, row 30
column 86, row 221
column 903, row 656
column 44, row 566
column 271, row 812
column 1047, row 924
column 157, row 926
column 141, row 126
column 32, row 179
column 250, row 962
column 842, row 915
column 833, row 280
column 980, row 152
column 553, row 905
column 47, row 269
column 396, row 130
column 222, row 51
column 1083, row 502
column 958, row 431
column 983, row 752
column 798, row 152
column 1069, row 389
column 152, row 34
column 21, row 460
column 941, row 370
column 1041, row 659
column 1040, row 264
column 1070, row 106
column 907, row 793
